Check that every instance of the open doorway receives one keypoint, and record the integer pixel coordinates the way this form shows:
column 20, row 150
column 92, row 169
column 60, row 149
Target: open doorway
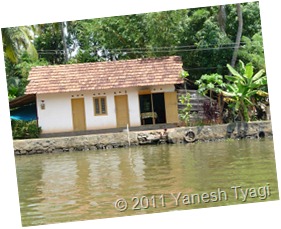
column 152, row 108
column 159, row 107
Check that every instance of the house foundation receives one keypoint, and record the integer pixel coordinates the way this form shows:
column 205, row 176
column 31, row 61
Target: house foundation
column 107, row 141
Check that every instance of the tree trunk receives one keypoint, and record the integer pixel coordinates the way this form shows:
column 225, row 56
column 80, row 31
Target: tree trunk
column 238, row 35
column 222, row 18
column 64, row 35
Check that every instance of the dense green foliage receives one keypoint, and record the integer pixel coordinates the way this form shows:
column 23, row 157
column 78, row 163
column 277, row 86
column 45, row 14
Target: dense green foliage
column 17, row 74
column 203, row 37
column 252, row 51
column 193, row 34
column 241, row 90
column 25, row 129
column 49, row 43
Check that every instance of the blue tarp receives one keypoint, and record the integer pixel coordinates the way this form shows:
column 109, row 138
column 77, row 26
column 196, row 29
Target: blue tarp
column 25, row 113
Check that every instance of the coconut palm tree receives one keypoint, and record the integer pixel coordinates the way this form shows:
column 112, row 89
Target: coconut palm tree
column 222, row 18
column 16, row 40
column 222, row 23
column 238, row 35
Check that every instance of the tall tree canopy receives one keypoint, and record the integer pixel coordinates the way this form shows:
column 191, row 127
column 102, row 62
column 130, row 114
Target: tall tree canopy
column 204, row 37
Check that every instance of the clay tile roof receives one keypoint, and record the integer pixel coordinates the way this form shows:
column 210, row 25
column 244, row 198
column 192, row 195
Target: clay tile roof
column 104, row 75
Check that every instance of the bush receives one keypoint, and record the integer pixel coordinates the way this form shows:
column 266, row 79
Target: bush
column 25, row 129
column 186, row 111
column 211, row 112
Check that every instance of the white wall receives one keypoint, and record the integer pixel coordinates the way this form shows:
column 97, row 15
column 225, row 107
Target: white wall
column 57, row 115
column 109, row 121
column 102, row 121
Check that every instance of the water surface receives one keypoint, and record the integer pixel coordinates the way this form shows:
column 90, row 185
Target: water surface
column 78, row 186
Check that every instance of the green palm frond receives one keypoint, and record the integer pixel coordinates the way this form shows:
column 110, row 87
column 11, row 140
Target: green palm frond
column 17, row 40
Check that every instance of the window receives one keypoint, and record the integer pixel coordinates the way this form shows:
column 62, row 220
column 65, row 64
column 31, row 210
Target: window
column 100, row 106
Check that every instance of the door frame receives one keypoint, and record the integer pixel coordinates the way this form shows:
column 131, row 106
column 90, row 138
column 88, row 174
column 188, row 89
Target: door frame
column 78, row 124
column 118, row 113
column 171, row 105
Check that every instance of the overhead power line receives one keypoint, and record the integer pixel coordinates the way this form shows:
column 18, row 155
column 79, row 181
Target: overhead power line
column 185, row 48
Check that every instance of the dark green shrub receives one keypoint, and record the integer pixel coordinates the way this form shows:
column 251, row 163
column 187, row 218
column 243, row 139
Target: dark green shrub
column 25, row 129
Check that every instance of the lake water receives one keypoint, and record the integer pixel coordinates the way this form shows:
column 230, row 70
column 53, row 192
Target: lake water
column 88, row 185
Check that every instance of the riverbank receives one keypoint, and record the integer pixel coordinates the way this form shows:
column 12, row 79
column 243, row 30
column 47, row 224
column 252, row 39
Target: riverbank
column 236, row 130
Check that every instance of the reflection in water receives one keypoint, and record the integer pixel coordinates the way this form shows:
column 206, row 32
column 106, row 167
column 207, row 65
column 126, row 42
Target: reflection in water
column 104, row 172
column 85, row 185
column 137, row 164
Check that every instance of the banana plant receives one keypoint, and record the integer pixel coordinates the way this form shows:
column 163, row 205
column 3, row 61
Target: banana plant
column 242, row 88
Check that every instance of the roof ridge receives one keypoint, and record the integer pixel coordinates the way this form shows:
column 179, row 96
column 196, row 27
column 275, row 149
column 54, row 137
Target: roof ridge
column 109, row 61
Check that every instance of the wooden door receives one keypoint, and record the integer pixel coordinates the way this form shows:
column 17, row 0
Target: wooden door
column 171, row 105
column 78, row 114
column 122, row 110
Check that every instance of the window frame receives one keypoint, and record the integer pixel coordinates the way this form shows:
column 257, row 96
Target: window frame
column 100, row 106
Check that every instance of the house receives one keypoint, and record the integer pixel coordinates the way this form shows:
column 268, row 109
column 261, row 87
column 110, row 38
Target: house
column 101, row 95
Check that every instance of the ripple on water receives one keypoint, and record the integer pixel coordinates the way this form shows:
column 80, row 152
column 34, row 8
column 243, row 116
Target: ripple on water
column 85, row 185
